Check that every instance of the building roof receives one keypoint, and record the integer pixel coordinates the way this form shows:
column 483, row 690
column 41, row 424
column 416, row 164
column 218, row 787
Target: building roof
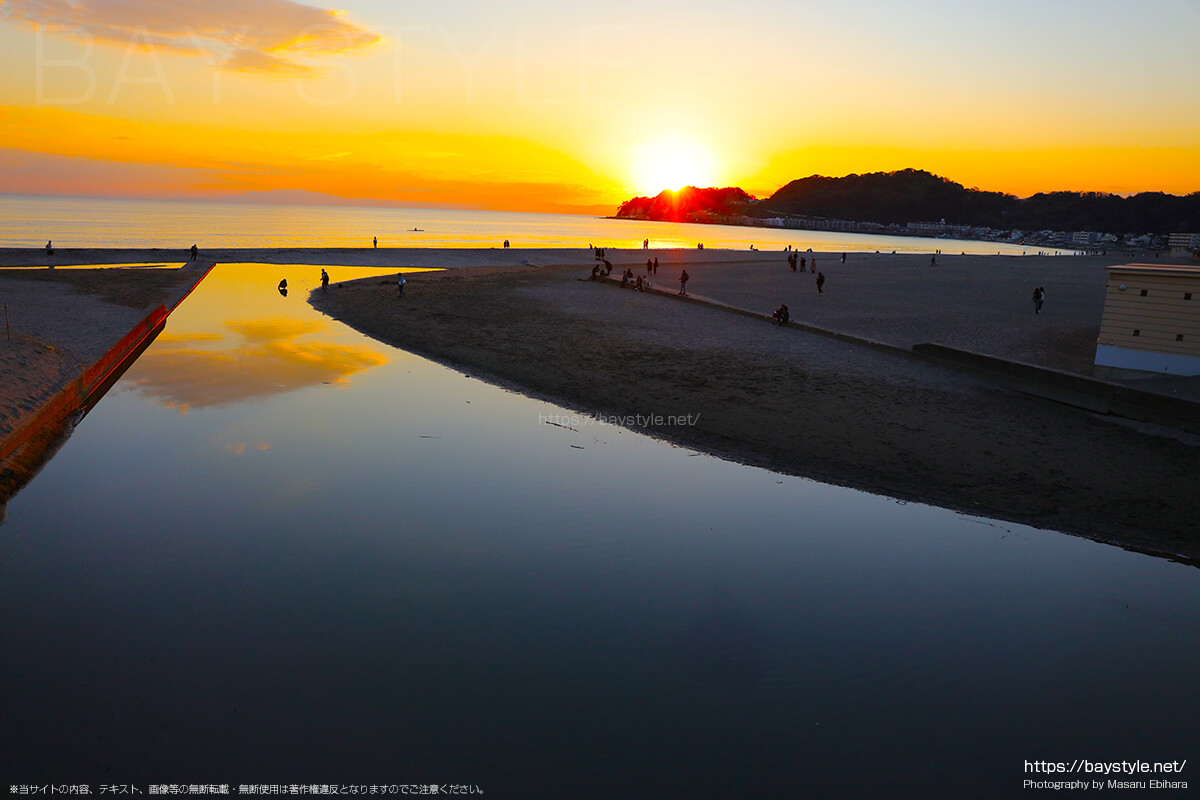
column 1178, row 270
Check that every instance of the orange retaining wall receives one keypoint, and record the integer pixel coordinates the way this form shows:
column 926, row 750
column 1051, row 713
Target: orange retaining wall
column 77, row 391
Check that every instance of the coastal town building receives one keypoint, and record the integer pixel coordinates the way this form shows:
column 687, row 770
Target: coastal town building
column 1184, row 244
column 1151, row 320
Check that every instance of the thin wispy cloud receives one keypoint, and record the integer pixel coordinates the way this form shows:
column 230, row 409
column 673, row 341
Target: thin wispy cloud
column 253, row 36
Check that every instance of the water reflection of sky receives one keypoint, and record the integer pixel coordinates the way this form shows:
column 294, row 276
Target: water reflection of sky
column 240, row 339
column 409, row 577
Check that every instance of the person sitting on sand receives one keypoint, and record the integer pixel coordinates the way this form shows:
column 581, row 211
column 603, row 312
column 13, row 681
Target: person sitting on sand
column 683, row 279
column 639, row 285
column 624, row 280
column 400, row 283
column 596, row 272
column 49, row 249
column 781, row 315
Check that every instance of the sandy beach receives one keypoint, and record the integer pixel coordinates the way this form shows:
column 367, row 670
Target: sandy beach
column 811, row 405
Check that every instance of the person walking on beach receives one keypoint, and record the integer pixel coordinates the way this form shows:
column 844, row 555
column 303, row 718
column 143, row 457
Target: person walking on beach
column 820, row 282
column 375, row 241
column 812, row 265
column 324, row 280
column 843, row 258
column 195, row 250
column 400, row 283
column 656, row 265
column 1039, row 295
column 683, row 279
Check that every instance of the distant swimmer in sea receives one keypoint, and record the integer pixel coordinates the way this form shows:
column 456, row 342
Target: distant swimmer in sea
column 820, row 283
column 324, row 280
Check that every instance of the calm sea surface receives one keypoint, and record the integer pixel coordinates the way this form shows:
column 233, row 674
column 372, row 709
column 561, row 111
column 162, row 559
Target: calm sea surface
column 27, row 221
column 279, row 552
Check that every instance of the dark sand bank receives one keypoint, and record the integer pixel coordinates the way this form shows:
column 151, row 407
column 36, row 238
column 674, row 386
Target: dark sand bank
column 803, row 403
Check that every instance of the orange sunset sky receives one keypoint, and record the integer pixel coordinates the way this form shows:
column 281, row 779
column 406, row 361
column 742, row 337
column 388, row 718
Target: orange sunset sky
column 548, row 106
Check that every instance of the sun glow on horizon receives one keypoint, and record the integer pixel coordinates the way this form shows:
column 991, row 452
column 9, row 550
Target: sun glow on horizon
column 672, row 163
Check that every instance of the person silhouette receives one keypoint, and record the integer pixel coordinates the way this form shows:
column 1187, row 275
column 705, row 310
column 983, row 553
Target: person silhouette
column 324, row 280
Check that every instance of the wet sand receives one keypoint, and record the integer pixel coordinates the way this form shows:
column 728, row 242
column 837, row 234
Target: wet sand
column 807, row 404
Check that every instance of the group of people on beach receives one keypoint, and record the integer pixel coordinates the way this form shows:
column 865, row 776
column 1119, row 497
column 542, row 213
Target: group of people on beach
column 795, row 258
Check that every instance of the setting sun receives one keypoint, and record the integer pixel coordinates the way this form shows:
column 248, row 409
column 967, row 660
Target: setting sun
column 672, row 163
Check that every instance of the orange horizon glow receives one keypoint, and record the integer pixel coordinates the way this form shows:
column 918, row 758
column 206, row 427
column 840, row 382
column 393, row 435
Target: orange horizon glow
column 559, row 113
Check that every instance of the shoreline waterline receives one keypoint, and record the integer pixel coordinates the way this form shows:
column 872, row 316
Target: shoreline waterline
column 30, row 221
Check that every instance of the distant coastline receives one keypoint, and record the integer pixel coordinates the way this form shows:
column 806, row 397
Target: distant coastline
column 916, row 203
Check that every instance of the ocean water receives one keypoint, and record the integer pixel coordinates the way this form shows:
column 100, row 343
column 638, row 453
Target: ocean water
column 73, row 222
